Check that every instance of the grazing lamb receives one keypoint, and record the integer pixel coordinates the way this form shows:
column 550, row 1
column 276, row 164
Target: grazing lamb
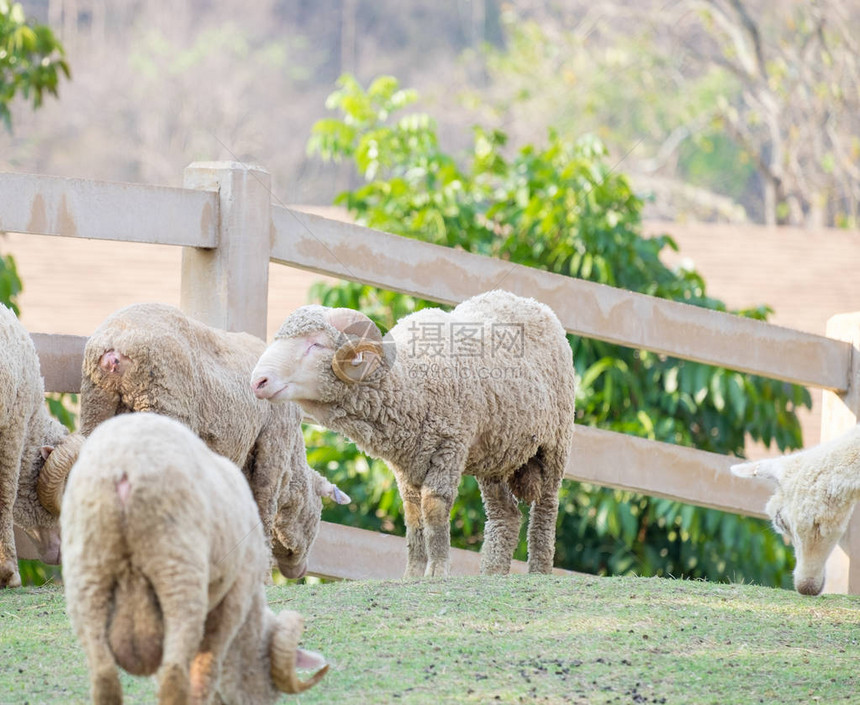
column 165, row 559
column 152, row 357
column 816, row 489
column 486, row 390
column 27, row 435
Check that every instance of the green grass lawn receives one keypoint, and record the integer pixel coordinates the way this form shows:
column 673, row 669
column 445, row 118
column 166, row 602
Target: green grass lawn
column 520, row 639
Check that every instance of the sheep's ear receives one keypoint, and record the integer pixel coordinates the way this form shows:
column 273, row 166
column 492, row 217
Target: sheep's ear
column 46, row 451
column 766, row 469
column 309, row 660
column 356, row 361
column 338, row 495
column 286, row 656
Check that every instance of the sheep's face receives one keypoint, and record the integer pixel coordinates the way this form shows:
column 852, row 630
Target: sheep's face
column 311, row 364
column 40, row 543
column 812, row 538
column 804, row 512
column 292, row 369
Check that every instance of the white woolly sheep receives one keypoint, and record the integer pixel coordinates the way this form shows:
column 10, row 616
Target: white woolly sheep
column 27, row 435
column 165, row 558
column 816, row 490
column 486, row 390
column 152, row 357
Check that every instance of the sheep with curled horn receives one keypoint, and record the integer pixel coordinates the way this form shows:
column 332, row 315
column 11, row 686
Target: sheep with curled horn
column 486, row 389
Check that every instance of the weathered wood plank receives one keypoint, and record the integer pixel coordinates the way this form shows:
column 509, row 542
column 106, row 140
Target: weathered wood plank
column 688, row 475
column 840, row 413
column 591, row 310
column 227, row 287
column 60, row 358
column 102, row 210
column 348, row 553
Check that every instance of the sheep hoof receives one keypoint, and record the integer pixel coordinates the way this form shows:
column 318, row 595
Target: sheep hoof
column 436, row 569
column 415, row 569
column 9, row 575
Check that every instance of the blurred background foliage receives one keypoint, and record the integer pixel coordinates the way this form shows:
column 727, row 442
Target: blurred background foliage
column 560, row 207
column 726, row 110
column 32, row 60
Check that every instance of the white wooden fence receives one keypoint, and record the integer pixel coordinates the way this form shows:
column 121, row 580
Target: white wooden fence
column 229, row 231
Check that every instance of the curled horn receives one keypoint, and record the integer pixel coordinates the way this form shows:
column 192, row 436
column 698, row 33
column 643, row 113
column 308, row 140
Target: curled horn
column 348, row 357
column 284, row 652
column 352, row 322
column 362, row 336
column 52, row 477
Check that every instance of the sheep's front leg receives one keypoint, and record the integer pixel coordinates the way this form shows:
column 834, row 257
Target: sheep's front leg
column 437, row 498
column 502, row 529
column 416, row 551
column 182, row 591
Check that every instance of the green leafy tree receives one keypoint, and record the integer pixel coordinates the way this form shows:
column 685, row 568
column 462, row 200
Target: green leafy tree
column 31, row 60
column 561, row 208
column 10, row 283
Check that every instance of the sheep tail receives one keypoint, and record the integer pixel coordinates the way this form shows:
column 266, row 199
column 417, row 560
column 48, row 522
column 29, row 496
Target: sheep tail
column 527, row 481
column 136, row 625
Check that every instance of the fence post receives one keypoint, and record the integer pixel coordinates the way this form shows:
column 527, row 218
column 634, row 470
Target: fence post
column 227, row 287
column 840, row 412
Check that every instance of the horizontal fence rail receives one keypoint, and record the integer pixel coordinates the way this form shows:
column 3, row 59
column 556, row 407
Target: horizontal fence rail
column 342, row 552
column 600, row 457
column 61, row 358
column 592, row 310
column 104, row 210
column 684, row 474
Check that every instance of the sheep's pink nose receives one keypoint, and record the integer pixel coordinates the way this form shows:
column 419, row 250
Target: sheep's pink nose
column 259, row 387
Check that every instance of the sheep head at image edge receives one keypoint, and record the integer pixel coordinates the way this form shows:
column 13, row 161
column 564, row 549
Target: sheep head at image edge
column 816, row 489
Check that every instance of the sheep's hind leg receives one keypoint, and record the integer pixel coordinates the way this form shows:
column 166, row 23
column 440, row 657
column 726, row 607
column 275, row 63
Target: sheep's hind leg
column 502, row 529
column 182, row 591
column 89, row 614
column 222, row 624
column 416, row 551
column 544, row 513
